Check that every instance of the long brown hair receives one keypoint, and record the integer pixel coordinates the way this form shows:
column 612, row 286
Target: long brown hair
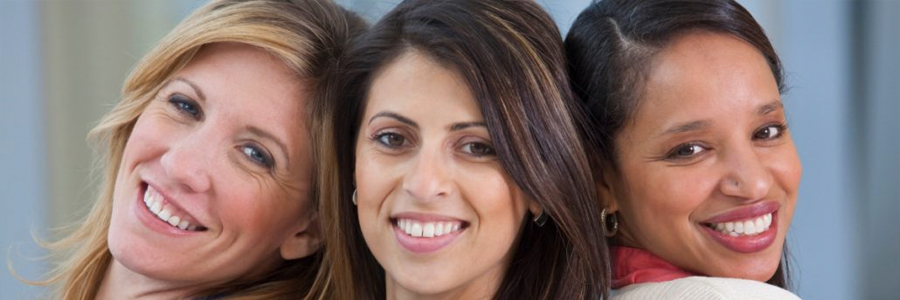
column 612, row 43
column 510, row 55
column 307, row 35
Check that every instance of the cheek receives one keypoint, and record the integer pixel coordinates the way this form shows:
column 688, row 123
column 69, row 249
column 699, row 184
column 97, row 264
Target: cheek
column 664, row 199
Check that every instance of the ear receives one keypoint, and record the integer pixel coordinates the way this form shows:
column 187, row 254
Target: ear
column 606, row 190
column 305, row 240
column 534, row 207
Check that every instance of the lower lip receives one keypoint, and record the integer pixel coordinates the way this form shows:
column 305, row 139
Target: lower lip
column 747, row 244
column 151, row 221
column 423, row 245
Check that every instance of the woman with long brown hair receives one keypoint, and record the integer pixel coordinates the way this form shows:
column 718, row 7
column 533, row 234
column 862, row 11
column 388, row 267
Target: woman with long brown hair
column 208, row 171
column 457, row 169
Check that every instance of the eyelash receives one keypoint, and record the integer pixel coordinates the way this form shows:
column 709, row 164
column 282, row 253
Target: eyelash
column 258, row 156
column 675, row 154
column 187, row 106
column 381, row 136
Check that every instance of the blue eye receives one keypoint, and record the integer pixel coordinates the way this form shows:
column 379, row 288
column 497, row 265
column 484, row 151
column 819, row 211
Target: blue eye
column 769, row 132
column 390, row 139
column 685, row 151
column 258, row 156
column 478, row 149
column 186, row 105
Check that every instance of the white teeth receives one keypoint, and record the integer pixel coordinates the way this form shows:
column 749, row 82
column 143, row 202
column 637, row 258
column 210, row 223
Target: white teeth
column 745, row 227
column 156, row 208
column 416, row 230
column 427, row 229
column 183, row 224
column 154, row 203
column 164, row 214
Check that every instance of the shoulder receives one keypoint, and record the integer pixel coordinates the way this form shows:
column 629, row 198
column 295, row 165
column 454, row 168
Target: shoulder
column 699, row 287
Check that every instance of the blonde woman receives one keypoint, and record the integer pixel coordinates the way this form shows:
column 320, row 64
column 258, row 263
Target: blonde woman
column 208, row 187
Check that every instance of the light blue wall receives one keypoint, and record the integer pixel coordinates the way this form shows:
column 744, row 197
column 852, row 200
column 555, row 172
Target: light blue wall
column 815, row 50
column 22, row 155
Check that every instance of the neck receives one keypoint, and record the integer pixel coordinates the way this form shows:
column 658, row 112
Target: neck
column 481, row 288
column 122, row 283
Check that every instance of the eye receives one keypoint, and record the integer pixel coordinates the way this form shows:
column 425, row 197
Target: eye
column 478, row 149
column 186, row 105
column 685, row 151
column 391, row 140
column 769, row 132
column 258, row 156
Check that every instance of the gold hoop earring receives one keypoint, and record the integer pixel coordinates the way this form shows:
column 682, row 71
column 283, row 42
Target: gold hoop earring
column 604, row 220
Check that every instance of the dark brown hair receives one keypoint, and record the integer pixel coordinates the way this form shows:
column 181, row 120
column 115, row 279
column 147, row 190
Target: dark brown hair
column 610, row 47
column 510, row 54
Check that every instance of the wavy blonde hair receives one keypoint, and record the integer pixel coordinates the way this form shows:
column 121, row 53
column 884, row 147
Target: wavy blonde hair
column 307, row 35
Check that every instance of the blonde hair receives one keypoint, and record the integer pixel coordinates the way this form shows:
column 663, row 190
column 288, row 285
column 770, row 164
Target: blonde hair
column 307, row 35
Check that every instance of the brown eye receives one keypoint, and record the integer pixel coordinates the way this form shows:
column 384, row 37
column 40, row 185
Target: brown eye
column 478, row 149
column 685, row 151
column 769, row 132
column 390, row 139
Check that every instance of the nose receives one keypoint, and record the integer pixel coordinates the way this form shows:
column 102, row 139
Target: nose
column 187, row 162
column 746, row 175
column 428, row 179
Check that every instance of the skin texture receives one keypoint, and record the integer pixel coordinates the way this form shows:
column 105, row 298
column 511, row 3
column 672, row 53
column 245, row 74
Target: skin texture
column 205, row 142
column 735, row 155
column 443, row 166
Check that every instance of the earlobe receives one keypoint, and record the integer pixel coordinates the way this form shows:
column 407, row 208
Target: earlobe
column 304, row 241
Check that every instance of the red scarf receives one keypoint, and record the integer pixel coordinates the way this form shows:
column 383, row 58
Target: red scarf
column 633, row 265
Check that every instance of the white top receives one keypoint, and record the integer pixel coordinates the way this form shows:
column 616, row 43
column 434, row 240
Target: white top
column 703, row 288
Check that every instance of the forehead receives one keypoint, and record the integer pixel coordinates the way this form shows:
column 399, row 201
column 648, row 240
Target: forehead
column 706, row 75
column 417, row 83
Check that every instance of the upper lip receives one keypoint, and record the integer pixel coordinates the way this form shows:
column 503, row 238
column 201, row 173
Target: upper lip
column 424, row 217
column 745, row 212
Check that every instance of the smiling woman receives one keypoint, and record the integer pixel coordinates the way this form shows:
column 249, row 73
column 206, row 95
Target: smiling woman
column 209, row 170
column 699, row 174
column 456, row 170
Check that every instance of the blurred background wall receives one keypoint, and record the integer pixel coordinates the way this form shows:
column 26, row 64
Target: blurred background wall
column 62, row 64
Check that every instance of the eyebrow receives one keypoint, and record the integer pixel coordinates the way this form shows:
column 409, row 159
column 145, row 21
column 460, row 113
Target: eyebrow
column 685, row 127
column 193, row 86
column 396, row 116
column 767, row 108
column 265, row 135
column 464, row 125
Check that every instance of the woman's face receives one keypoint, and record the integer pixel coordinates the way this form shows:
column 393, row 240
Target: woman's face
column 435, row 207
column 708, row 170
column 214, row 178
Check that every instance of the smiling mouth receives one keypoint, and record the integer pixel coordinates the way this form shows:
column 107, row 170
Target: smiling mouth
column 419, row 229
column 748, row 227
column 155, row 203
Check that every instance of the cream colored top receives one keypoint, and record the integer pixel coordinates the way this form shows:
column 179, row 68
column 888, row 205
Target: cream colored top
column 703, row 288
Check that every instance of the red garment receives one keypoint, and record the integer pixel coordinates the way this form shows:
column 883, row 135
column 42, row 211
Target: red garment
column 633, row 265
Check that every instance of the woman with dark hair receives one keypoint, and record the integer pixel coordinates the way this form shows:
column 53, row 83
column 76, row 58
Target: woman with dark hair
column 457, row 164
column 698, row 173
